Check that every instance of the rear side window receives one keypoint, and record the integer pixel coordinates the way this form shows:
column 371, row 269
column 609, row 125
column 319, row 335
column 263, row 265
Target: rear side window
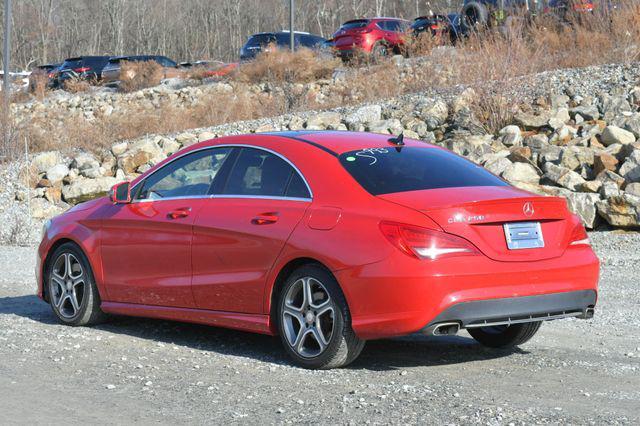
column 351, row 25
column 261, row 40
column 260, row 173
column 387, row 170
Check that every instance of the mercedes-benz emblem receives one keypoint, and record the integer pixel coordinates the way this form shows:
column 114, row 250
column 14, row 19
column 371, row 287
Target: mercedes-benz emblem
column 527, row 209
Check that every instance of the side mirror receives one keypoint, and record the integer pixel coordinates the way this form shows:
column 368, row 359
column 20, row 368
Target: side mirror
column 120, row 193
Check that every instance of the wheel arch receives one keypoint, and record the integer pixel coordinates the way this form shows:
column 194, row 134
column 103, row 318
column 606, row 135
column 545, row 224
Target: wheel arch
column 46, row 262
column 280, row 279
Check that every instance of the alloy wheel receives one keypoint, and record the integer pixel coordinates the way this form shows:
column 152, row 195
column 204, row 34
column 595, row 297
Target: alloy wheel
column 67, row 284
column 308, row 317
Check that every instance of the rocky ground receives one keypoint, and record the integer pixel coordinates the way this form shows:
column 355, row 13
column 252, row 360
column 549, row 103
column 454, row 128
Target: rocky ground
column 133, row 370
column 573, row 133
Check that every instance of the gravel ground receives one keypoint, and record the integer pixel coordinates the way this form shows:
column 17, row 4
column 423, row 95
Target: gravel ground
column 572, row 372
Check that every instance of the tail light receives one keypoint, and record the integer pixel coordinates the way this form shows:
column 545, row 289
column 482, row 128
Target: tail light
column 82, row 69
column 426, row 244
column 579, row 236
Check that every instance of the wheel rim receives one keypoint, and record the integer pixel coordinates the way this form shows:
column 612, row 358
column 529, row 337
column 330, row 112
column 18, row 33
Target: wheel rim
column 308, row 317
column 67, row 284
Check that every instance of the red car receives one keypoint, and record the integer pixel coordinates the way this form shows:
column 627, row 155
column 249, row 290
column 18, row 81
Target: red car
column 376, row 37
column 327, row 239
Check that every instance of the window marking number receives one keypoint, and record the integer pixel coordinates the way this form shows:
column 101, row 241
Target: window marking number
column 371, row 153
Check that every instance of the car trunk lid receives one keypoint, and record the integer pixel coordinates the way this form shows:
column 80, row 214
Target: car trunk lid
column 479, row 214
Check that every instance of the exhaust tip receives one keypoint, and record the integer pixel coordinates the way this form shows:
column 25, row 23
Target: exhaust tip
column 446, row 329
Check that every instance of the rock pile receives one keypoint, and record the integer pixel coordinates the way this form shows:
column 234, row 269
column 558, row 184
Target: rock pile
column 583, row 148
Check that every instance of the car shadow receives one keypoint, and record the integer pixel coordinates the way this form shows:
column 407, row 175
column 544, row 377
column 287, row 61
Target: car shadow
column 378, row 355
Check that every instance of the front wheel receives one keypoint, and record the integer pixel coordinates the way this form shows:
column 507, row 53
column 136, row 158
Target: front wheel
column 73, row 293
column 505, row 336
column 314, row 321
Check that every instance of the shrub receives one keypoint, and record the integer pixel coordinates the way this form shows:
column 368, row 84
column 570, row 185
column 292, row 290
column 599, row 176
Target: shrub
column 139, row 75
column 77, row 85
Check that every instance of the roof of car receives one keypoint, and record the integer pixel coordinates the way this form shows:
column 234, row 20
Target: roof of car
column 330, row 141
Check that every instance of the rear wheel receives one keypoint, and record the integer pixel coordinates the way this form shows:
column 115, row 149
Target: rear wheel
column 379, row 52
column 73, row 294
column 505, row 336
column 314, row 321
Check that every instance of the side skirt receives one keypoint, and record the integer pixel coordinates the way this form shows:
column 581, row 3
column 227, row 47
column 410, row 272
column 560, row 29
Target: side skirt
column 254, row 323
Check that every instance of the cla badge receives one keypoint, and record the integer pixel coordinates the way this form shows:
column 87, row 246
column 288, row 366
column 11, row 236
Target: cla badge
column 527, row 209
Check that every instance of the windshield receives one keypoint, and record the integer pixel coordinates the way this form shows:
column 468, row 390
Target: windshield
column 359, row 23
column 388, row 170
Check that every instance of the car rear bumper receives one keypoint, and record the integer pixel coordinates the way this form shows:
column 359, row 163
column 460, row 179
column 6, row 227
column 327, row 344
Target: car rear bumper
column 402, row 295
column 515, row 310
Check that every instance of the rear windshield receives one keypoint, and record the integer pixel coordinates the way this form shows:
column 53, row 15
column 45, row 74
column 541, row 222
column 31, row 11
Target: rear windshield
column 261, row 39
column 92, row 62
column 387, row 170
column 359, row 23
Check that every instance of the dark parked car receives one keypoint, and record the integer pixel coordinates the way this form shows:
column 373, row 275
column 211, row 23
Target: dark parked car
column 447, row 27
column 87, row 68
column 111, row 71
column 487, row 12
column 261, row 42
column 48, row 71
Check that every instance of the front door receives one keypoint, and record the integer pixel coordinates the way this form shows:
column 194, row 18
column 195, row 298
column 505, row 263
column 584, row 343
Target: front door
column 146, row 245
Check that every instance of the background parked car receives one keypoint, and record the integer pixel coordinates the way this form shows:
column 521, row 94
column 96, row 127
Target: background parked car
column 447, row 27
column 260, row 42
column 377, row 37
column 87, row 68
column 48, row 71
column 111, row 71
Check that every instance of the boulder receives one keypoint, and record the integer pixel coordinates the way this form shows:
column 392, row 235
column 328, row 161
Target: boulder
column 633, row 189
column 587, row 112
column 84, row 189
column 324, row 120
column 142, row 152
column 169, row 146
column 390, row 126
column 532, row 121
column 186, row 139
column 590, row 186
column 584, row 205
column 57, row 173
column 205, row 136
column 46, row 160
column 363, row 115
column 614, row 134
column 621, row 211
column 562, row 176
column 434, row 114
column 520, row 154
column 521, row 172
column 119, row 148
column 630, row 169
column 604, row 161
column 537, row 141
column 498, row 166
column 511, row 136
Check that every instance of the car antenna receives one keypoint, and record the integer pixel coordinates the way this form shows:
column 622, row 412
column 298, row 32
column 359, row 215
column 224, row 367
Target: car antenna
column 397, row 141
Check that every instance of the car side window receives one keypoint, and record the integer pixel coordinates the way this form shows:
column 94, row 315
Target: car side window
column 261, row 173
column 188, row 176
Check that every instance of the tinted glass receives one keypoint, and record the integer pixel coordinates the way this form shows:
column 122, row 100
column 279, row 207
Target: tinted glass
column 385, row 170
column 72, row 63
column 191, row 175
column 260, row 173
column 261, row 40
column 297, row 188
column 359, row 23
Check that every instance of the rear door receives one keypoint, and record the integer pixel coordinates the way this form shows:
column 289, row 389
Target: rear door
column 241, row 230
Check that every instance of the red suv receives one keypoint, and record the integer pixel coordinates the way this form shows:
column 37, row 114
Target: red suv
column 377, row 37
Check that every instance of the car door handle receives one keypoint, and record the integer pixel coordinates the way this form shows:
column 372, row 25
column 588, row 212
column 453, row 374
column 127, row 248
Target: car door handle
column 265, row 218
column 179, row 213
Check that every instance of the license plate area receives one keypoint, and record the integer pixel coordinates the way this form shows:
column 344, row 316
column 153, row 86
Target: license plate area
column 523, row 235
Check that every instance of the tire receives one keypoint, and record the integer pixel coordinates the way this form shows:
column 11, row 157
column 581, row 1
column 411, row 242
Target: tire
column 504, row 336
column 379, row 51
column 304, row 326
column 73, row 294
column 474, row 15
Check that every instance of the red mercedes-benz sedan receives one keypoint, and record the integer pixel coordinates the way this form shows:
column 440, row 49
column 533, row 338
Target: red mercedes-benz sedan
column 327, row 239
